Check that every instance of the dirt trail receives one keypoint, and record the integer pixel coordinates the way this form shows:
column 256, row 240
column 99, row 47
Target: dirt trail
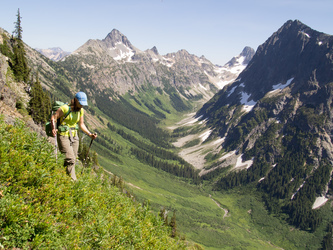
column 226, row 212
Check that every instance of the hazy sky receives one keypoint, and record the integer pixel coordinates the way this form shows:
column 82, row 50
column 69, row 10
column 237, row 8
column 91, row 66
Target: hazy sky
column 217, row 29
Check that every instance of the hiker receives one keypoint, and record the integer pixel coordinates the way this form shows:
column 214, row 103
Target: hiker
column 71, row 117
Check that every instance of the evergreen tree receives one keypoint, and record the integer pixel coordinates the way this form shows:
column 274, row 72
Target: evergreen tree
column 18, row 28
column 19, row 61
column 40, row 103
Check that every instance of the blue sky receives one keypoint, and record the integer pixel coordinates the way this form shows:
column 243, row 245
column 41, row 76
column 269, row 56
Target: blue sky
column 217, row 29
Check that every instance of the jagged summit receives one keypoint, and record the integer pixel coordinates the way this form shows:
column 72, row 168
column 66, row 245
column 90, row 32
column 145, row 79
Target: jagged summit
column 154, row 49
column 115, row 37
column 248, row 54
column 295, row 52
column 202, row 77
column 242, row 59
column 230, row 71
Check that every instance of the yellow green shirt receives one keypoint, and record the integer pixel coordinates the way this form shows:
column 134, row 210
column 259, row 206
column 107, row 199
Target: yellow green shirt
column 71, row 120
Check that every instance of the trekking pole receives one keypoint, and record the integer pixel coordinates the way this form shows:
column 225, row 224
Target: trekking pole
column 85, row 159
column 56, row 140
column 56, row 148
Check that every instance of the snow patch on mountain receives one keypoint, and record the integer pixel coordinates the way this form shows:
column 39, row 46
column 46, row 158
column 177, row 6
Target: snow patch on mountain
column 232, row 90
column 229, row 72
column 247, row 105
column 167, row 62
column 320, row 201
column 121, row 52
column 240, row 163
column 281, row 86
column 222, row 84
column 205, row 135
column 201, row 86
column 292, row 197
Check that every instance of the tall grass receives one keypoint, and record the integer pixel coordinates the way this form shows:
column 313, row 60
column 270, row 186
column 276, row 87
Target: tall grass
column 41, row 208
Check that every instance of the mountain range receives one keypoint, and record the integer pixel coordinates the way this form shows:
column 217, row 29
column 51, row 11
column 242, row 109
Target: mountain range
column 261, row 122
column 115, row 63
column 55, row 54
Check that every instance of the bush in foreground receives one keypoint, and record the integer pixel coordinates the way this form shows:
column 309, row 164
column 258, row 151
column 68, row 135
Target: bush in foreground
column 40, row 207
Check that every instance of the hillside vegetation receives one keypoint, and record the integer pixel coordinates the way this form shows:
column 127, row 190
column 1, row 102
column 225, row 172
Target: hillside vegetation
column 40, row 207
column 262, row 207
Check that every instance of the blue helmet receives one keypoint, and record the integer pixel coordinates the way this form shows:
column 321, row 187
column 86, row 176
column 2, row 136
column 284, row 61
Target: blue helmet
column 82, row 98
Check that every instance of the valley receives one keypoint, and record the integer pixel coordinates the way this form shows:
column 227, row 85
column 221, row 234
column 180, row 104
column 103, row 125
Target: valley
column 241, row 154
column 214, row 220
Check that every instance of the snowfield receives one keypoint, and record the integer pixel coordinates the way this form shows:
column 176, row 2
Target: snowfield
column 240, row 163
column 320, row 201
column 281, row 86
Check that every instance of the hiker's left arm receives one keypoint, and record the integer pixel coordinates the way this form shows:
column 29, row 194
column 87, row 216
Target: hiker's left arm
column 54, row 118
column 85, row 130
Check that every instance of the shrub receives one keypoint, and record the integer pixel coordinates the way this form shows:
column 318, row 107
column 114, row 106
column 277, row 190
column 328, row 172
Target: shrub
column 40, row 207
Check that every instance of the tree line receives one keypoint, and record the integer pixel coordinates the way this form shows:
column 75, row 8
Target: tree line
column 158, row 157
column 185, row 171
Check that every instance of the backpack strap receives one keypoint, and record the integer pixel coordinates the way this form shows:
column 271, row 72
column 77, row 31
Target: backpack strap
column 67, row 114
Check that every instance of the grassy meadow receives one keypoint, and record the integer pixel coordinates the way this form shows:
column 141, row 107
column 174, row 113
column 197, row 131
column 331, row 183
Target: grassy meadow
column 247, row 224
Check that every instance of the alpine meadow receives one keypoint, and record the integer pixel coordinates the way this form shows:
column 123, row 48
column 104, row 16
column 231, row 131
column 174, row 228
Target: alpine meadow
column 189, row 154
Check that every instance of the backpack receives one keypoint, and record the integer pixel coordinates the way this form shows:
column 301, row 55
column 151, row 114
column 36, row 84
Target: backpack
column 56, row 105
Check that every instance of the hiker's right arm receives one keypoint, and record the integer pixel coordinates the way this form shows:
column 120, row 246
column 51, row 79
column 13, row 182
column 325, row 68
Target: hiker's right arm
column 54, row 118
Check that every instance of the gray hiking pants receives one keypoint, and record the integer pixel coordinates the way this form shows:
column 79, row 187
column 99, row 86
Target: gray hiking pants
column 69, row 149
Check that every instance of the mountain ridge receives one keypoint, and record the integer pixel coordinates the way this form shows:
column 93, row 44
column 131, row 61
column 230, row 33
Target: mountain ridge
column 276, row 121
column 190, row 75
column 55, row 54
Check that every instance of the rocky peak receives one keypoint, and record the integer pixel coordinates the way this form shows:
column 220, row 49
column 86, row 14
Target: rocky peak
column 183, row 68
column 242, row 59
column 289, row 53
column 248, row 54
column 154, row 49
column 116, row 37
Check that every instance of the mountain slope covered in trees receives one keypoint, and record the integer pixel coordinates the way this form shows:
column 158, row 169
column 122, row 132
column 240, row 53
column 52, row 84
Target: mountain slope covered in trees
column 278, row 116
